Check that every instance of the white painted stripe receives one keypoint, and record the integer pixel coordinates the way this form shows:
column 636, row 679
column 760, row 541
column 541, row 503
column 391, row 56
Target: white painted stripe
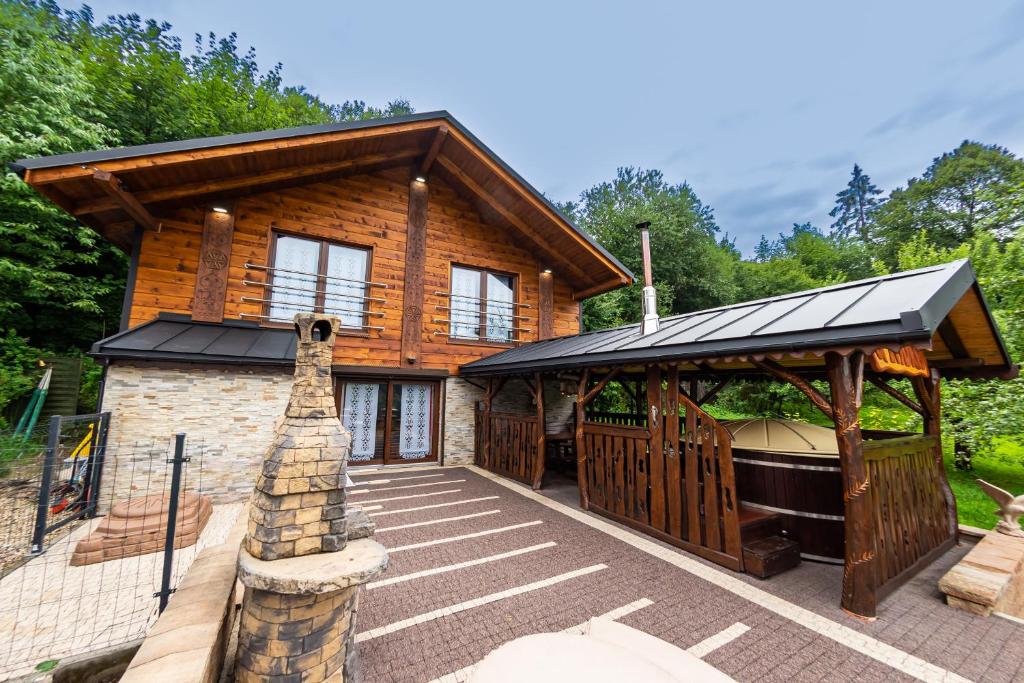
column 709, row 645
column 377, row 482
column 842, row 634
column 452, row 539
column 460, row 565
column 465, row 673
column 409, row 486
column 431, row 507
column 470, row 604
column 1010, row 617
column 417, row 495
column 438, row 521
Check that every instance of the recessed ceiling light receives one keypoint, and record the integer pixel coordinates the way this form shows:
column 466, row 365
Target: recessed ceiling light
column 421, row 179
column 547, row 271
column 220, row 209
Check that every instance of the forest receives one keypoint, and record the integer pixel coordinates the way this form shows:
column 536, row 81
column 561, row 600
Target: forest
column 71, row 81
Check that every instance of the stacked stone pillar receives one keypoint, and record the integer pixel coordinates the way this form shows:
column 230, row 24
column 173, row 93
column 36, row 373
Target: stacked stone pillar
column 305, row 554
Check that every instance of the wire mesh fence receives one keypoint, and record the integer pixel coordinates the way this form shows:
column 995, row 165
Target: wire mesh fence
column 92, row 578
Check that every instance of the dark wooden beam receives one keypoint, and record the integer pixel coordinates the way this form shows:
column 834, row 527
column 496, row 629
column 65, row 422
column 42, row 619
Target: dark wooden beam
column 220, row 185
column 957, row 363
column 656, row 446
column 951, row 338
column 601, row 384
column 895, row 393
column 435, row 149
column 772, row 368
column 710, row 394
column 125, row 200
column 546, row 305
column 859, row 576
column 214, row 264
column 600, row 288
column 581, row 452
column 415, row 272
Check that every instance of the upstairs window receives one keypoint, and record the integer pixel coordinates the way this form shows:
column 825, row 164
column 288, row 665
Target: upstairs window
column 482, row 305
column 315, row 275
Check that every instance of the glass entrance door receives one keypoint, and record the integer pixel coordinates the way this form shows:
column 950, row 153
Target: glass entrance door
column 391, row 421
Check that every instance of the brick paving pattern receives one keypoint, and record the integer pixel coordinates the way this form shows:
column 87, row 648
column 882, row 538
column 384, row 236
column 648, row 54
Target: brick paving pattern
column 542, row 570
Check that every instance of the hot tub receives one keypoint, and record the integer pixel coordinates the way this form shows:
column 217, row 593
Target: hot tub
column 792, row 468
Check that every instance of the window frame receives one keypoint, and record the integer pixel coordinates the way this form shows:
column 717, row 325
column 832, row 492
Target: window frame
column 321, row 281
column 481, row 339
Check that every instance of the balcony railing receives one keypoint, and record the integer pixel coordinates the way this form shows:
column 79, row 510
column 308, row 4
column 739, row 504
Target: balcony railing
column 473, row 318
column 306, row 291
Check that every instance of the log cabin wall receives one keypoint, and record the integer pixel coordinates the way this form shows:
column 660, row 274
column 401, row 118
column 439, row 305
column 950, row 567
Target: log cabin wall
column 369, row 211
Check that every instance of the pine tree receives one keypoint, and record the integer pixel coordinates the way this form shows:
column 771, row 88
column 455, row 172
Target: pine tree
column 856, row 205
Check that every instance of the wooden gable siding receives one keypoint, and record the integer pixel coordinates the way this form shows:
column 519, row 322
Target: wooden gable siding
column 365, row 210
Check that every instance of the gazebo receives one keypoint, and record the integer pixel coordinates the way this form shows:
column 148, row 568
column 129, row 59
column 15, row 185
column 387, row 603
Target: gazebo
column 666, row 468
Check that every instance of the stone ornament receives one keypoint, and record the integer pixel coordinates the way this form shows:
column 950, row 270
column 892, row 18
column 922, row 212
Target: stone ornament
column 1011, row 509
column 298, row 506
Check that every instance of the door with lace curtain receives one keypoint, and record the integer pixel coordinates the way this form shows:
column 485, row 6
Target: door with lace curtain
column 392, row 421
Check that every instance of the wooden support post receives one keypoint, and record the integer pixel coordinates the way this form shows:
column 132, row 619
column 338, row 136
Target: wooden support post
column 415, row 265
column 656, row 447
column 673, row 466
column 546, row 306
column 214, row 263
column 538, row 463
column 882, row 384
column 928, row 391
column 710, row 394
column 435, row 148
column 859, row 574
column 774, row 369
column 581, row 452
column 485, row 428
column 125, row 200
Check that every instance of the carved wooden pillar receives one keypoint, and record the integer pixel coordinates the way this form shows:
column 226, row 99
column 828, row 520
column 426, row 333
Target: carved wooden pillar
column 485, row 428
column 581, row 452
column 929, row 397
column 214, row 262
column 656, row 446
column 546, row 306
column 538, row 463
column 415, row 264
column 859, row 573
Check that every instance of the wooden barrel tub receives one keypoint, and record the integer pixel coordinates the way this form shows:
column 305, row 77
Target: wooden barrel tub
column 792, row 469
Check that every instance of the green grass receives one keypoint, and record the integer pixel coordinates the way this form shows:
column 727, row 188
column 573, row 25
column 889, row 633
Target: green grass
column 1004, row 467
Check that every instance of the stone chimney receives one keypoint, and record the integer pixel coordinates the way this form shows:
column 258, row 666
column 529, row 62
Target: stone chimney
column 651, row 322
column 298, row 505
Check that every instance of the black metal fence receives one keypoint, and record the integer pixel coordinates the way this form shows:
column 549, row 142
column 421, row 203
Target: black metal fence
column 66, row 589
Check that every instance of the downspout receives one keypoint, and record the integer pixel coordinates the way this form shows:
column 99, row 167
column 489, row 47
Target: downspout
column 651, row 322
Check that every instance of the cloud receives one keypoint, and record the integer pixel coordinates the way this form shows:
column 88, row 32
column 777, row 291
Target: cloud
column 1009, row 31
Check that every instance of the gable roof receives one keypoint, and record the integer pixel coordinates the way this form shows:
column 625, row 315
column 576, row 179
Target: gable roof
column 940, row 305
column 170, row 174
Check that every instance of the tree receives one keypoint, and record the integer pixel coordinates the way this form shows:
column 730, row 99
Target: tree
column 972, row 189
column 691, row 270
column 856, row 206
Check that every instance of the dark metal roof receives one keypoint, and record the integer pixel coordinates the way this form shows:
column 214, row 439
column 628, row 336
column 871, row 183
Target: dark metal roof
column 898, row 308
column 176, row 337
column 22, row 165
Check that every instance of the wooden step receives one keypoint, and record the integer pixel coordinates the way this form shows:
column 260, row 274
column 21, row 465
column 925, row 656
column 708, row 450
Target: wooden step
column 770, row 556
column 756, row 524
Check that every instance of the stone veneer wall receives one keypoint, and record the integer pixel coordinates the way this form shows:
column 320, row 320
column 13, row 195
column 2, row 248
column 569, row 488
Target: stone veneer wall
column 228, row 413
column 461, row 398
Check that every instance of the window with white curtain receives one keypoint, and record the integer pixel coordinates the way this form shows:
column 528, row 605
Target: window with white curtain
column 314, row 275
column 482, row 305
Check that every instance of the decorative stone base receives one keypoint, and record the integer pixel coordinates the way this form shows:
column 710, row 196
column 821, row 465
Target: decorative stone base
column 299, row 614
column 990, row 578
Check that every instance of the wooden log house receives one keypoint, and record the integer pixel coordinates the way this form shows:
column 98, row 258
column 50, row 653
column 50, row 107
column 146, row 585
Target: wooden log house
column 459, row 287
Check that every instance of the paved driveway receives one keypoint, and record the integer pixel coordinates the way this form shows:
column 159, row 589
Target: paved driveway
column 477, row 561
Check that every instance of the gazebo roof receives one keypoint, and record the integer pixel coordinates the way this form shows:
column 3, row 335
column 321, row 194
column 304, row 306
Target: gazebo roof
column 939, row 309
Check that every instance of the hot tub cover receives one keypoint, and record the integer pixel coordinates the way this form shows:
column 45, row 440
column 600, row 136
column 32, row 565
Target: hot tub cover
column 782, row 436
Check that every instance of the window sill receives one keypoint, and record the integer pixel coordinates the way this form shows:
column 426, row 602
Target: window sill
column 483, row 342
column 341, row 331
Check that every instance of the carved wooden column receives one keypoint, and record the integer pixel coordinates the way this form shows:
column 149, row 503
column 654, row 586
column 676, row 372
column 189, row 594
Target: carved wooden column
column 415, row 265
column 546, row 305
column 929, row 397
column 581, row 451
column 214, row 262
column 656, row 446
column 538, row 463
column 845, row 374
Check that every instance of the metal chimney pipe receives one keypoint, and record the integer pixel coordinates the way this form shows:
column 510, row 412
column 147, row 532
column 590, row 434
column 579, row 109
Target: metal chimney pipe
column 651, row 322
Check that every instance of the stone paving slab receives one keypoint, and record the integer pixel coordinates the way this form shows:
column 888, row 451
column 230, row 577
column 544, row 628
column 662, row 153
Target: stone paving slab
column 801, row 637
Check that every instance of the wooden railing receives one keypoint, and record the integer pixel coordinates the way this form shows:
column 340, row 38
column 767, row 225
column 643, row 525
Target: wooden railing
column 513, row 446
column 909, row 509
column 624, row 419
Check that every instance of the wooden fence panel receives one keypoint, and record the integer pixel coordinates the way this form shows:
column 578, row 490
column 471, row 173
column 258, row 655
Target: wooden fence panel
column 909, row 515
column 513, row 447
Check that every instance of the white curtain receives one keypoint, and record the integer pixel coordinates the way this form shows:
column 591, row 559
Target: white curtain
column 499, row 308
column 344, row 297
column 296, row 290
column 465, row 303
column 414, row 439
column 359, row 415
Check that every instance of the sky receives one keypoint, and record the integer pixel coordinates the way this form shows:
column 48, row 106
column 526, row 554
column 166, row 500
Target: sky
column 762, row 107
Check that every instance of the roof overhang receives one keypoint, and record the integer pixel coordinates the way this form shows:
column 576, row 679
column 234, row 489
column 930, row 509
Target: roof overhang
column 946, row 317
column 114, row 190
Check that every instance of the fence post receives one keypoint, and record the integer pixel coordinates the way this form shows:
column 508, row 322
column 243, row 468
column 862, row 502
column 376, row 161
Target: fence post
column 43, row 505
column 96, row 459
column 172, row 518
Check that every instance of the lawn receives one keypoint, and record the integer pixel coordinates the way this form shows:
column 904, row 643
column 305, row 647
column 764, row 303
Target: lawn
column 1004, row 467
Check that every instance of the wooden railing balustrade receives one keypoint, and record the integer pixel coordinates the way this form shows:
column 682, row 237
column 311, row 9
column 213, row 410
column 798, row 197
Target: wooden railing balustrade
column 513, row 445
